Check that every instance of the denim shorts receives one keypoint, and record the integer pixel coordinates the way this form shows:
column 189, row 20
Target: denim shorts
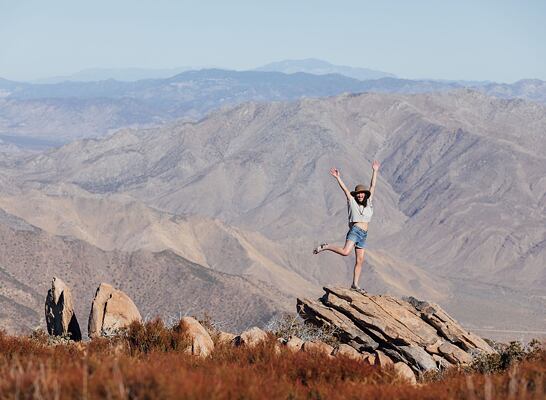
column 358, row 236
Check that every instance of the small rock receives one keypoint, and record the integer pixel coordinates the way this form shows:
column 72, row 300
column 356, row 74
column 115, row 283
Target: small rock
column 294, row 343
column 418, row 357
column 316, row 346
column 347, row 351
column 454, row 354
column 382, row 360
column 433, row 348
column 370, row 359
column 405, row 372
column 201, row 342
column 441, row 362
column 59, row 311
column 226, row 337
column 251, row 337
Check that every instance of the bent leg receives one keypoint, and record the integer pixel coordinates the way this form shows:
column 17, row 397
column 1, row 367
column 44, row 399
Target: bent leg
column 342, row 251
column 359, row 260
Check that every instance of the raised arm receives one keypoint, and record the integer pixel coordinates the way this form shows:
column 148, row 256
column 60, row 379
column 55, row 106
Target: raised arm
column 375, row 171
column 335, row 173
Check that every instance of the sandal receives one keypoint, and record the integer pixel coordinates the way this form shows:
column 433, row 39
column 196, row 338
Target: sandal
column 320, row 248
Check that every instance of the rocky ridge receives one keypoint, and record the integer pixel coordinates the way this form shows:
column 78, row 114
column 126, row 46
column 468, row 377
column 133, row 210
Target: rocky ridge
column 419, row 334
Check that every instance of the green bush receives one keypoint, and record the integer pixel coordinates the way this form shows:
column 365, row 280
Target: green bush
column 506, row 355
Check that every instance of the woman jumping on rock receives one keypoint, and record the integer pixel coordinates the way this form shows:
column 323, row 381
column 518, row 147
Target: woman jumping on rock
column 360, row 209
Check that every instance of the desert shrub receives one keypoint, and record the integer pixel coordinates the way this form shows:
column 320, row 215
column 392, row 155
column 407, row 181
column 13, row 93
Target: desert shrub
column 210, row 326
column 40, row 336
column 506, row 356
column 288, row 325
column 154, row 336
column 13, row 347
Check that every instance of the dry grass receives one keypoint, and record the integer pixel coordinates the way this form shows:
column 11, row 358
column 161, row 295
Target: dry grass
column 147, row 361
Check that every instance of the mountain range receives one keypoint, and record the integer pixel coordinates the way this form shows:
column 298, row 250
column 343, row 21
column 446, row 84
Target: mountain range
column 70, row 110
column 245, row 191
column 310, row 65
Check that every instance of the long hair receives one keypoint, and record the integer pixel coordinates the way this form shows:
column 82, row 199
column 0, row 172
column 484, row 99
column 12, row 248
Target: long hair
column 363, row 202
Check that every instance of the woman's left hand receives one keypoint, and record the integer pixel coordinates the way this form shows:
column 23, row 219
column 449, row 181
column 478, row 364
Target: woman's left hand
column 375, row 165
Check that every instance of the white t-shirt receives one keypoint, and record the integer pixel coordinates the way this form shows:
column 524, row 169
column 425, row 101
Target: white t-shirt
column 359, row 213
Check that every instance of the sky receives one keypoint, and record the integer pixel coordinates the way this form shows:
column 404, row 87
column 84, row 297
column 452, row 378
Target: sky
column 500, row 40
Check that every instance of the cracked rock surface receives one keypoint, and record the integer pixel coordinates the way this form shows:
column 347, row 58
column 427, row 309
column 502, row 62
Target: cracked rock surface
column 417, row 333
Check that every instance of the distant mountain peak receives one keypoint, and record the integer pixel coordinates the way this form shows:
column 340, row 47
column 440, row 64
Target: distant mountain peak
column 320, row 67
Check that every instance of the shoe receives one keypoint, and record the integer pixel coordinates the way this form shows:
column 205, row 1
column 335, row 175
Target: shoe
column 320, row 248
column 357, row 289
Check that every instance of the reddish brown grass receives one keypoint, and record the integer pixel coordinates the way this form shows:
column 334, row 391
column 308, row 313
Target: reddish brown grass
column 147, row 362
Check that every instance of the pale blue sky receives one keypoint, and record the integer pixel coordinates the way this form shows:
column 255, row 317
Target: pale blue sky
column 476, row 40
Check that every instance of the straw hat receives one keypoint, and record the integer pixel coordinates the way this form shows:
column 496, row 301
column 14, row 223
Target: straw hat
column 360, row 189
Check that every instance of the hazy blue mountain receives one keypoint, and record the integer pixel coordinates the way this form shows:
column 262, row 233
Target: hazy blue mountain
column 69, row 110
column 321, row 67
column 253, row 84
column 81, row 109
column 120, row 74
column 530, row 89
column 8, row 86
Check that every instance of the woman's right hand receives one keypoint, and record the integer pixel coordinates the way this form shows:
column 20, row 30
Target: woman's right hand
column 334, row 172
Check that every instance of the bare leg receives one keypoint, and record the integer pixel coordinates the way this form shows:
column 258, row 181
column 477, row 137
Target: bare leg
column 359, row 260
column 342, row 251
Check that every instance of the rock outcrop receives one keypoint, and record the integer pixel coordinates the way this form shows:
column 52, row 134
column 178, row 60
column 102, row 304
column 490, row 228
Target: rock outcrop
column 59, row 311
column 419, row 334
column 111, row 310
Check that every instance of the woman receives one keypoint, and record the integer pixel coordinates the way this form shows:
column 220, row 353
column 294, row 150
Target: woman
column 360, row 209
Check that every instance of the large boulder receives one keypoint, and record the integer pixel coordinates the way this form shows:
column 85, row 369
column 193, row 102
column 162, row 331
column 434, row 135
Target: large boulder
column 419, row 334
column 201, row 343
column 59, row 311
column 111, row 310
